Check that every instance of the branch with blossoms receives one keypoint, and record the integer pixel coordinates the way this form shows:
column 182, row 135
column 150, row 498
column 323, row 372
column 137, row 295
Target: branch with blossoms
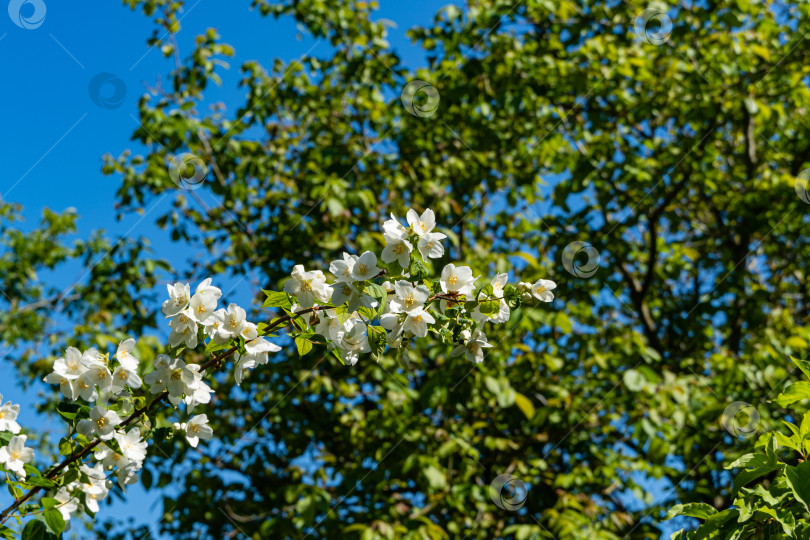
column 370, row 306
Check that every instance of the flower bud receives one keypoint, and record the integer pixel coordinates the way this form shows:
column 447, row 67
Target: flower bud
column 464, row 335
column 523, row 286
column 526, row 297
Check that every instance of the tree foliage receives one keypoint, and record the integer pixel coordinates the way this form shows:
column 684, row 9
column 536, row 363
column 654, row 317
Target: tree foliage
column 673, row 150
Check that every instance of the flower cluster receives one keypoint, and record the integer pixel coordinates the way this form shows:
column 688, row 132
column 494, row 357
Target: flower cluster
column 14, row 455
column 101, row 379
column 87, row 375
column 368, row 304
column 396, row 290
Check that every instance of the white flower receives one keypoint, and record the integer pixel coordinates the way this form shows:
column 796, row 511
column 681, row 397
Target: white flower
column 128, row 475
column 179, row 295
column 83, row 387
column 8, row 417
column 342, row 270
column 259, row 349
column 122, row 377
column 498, row 283
column 430, row 245
column 131, row 444
column 365, row 267
column 243, row 364
column 408, row 297
column 212, row 325
column 328, row 325
column 474, row 348
column 542, row 290
column 155, row 378
column 206, row 288
column 348, row 292
column 202, row 306
column 197, row 428
column 233, row 323
column 198, row 393
column 353, row 340
column 96, row 490
column 417, row 322
column 97, row 374
column 101, row 422
column 16, row 455
column 69, row 367
column 66, row 386
column 308, row 286
column 395, row 327
column 179, row 379
column 67, row 503
column 423, row 224
column 184, row 329
column 394, row 229
column 458, row 279
column 124, row 355
column 397, row 249
column 109, row 457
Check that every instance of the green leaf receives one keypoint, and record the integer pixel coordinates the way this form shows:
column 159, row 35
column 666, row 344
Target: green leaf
column 525, row 405
column 213, row 346
column 70, row 476
column 277, row 299
column 36, row 530
column 695, row 510
column 377, row 340
column 803, row 365
column 512, row 297
column 68, row 411
column 54, row 520
column 436, row 478
column 798, row 478
column 336, row 352
column 379, row 294
column 489, row 307
column 376, row 291
column 303, row 345
column 634, row 380
column 39, row 481
column 713, row 523
column 796, row 391
column 418, row 270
